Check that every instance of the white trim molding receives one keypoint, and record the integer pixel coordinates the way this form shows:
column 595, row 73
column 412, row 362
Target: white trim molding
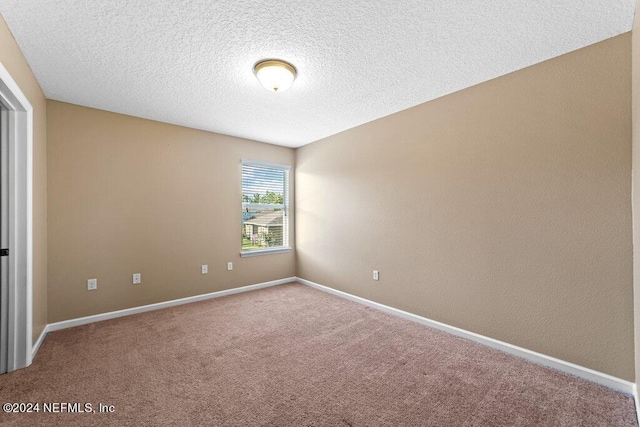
column 257, row 252
column 20, row 321
column 601, row 378
column 635, row 401
column 38, row 343
column 150, row 307
column 250, row 162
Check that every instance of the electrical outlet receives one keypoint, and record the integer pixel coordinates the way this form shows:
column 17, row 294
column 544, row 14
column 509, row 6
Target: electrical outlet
column 92, row 284
column 137, row 278
column 229, row 266
column 205, row 268
column 376, row 275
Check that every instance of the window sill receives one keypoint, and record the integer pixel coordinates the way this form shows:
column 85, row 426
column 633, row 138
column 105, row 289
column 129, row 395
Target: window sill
column 265, row 252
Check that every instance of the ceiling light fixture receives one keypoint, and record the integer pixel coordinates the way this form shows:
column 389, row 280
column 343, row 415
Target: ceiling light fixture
column 275, row 75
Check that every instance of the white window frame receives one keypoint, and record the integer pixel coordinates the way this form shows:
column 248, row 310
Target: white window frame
column 287, row 222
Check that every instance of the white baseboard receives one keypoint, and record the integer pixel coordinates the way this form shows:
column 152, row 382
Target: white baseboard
column 601, row 378
column 141, row 309
column 635, row 400
column 35, row 347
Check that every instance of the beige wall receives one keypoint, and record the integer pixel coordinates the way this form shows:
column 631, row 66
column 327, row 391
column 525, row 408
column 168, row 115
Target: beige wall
column 128, row 195
column 503, row 209
column 13, row 60
column 635, row 73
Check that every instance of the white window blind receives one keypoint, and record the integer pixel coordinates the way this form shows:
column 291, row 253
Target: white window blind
column 265, row 207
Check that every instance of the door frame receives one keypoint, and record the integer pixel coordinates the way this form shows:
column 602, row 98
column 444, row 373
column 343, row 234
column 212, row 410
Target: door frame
column 20, row 177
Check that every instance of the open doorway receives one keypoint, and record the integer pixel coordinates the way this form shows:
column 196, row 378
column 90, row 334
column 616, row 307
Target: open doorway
column 16, row 168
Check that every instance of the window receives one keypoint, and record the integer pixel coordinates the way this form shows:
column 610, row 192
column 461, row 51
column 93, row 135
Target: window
column 265, row 208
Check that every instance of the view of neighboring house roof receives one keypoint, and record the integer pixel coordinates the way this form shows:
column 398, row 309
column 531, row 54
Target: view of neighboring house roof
column 267, row 219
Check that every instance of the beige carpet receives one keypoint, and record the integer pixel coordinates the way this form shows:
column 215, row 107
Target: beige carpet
column 294, row 356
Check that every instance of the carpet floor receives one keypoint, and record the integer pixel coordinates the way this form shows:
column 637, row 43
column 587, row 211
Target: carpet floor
column 294, row 356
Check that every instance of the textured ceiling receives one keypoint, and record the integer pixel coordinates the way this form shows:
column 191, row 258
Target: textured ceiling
column 190, row 62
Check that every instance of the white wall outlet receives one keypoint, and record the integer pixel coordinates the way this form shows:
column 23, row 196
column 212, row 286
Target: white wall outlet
column 205, row 268
column 92, row 284
column 376, row 275
column 229, row 266
column 137, row 278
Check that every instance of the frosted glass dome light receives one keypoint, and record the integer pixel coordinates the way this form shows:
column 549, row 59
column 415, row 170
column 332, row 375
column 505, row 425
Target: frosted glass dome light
column 275, row 75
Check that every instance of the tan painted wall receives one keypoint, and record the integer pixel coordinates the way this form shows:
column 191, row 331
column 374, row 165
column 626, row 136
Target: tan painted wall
column 635, row 73
column 503, row 209
column 13, row 60
column 128, row 195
